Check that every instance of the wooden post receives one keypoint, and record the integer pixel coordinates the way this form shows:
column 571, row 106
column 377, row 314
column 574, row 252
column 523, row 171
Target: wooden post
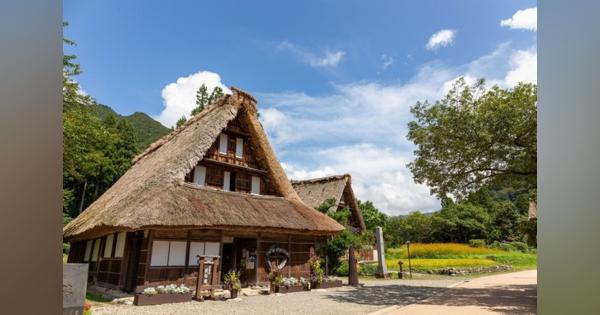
column 352, row 270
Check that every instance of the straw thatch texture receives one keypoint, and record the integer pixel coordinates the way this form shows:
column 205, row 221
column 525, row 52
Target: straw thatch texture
column 317, row 190
column 152, row 192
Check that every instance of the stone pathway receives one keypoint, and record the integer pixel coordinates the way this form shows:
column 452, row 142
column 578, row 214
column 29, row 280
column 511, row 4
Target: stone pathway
column 374, row 295
column 510, row 293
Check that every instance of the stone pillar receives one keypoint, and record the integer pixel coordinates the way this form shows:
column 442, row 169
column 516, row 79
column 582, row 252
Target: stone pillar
column 382, row 269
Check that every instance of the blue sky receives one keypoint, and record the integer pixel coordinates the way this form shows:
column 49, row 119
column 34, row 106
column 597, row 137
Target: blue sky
column 334, row 79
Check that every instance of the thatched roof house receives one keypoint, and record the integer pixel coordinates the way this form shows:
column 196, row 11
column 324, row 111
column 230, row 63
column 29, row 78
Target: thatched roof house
column 215, row 180
column 314, row 192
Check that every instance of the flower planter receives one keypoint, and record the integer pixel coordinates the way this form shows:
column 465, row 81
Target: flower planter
column 328, row 284
column 290, row 289
column 145, row 299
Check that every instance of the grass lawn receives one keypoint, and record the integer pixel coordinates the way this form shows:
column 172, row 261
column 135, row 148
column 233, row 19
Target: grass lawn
column 442, row 255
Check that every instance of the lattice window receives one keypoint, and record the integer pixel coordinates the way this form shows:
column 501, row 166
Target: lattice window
column 214, row 176
column 243, row 182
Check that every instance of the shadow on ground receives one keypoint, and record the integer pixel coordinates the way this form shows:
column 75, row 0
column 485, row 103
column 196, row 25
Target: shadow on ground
column 385, row 295
column 515, row 299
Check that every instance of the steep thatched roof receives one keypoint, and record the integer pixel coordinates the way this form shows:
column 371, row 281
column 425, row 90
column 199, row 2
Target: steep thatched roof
column 317, row 190
column 152, row 193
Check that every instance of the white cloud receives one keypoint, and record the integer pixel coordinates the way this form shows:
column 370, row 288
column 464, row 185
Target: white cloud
column 179, row 97
column 522, row 19
column 442, row 38
column 360, row 128
column 330, row 59
column 523, row 67
column 387, row 182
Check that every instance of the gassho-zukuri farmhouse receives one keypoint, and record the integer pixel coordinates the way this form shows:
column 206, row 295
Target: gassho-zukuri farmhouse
column 212, row 187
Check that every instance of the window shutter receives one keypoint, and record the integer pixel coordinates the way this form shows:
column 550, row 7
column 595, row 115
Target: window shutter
column 88, row 250
column 196, row 248
column 120, row 247
column 200, row 175
column 223, row 144
column 160, row 253
column 177, row 253
column 226, row 180
column 255, row 185
column 95, row 250
column 239, row 148
column 108, row 246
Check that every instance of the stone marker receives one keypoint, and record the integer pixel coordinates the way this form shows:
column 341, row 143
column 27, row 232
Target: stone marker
column 381, row 269
column 74, row 287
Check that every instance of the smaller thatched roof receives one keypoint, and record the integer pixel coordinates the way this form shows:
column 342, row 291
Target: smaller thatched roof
column 315, row 191
column 152, row 193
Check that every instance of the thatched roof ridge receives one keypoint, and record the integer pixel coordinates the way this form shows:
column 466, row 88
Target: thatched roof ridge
column 153, row 193
column 315, row 191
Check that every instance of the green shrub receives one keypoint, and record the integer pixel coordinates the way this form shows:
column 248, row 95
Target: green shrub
column 520, row 246
column 367, row 269
column 66, row 248
column 477, row 243
column 342, row 270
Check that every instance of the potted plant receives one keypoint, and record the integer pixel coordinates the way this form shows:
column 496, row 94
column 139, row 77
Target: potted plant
column 232, row 281
column 275, row 280
column 162, row 294
column 317, row 274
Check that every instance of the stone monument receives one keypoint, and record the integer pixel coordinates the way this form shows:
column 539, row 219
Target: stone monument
column 74, row 288
column 381, row 268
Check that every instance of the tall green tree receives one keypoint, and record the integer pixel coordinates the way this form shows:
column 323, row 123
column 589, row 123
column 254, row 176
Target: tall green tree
column 475, row 136
column 372, row 216
column 203, row 98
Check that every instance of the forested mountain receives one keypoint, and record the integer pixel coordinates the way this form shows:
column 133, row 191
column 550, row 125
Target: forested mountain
column 147, row 130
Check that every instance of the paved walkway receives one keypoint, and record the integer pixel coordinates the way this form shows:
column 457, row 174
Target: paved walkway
column 510, row 293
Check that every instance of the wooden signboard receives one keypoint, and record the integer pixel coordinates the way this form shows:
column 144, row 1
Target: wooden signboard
column 208, row 276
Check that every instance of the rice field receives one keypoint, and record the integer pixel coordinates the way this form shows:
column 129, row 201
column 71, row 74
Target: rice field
column 444, row 255
column 440, row 250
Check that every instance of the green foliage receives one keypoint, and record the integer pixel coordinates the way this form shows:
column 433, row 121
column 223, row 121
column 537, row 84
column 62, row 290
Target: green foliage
column 203, row 98
column 180, row 122
column 328, row 205
column 147, row 130
column 372, row 216
column 480, row 243
column 232, row 280
column 66, row 248
column 493, row 213
column 317, row 274
column 275, row 278
column 473, row 137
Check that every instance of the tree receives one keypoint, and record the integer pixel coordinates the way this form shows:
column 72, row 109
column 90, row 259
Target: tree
column 181, row 121
column 473, row 137
column 72, row 94
column 372, row 216
column 203, row 98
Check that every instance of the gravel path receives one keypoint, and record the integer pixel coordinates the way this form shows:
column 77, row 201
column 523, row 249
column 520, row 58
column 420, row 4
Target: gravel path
column 373, row 296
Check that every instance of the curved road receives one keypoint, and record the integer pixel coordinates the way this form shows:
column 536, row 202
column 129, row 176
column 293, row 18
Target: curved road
column 509, row 293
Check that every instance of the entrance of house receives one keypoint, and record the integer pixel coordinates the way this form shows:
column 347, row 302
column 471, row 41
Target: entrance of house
column 246, row 259
column 227, row 259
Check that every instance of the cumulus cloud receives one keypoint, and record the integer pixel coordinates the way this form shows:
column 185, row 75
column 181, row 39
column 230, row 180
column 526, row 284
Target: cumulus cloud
column 523, row 67
column 360, row 128
column 329, row 59
column 179, row 97
column 387, row 182
column 442, row 38
column 522, row 19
